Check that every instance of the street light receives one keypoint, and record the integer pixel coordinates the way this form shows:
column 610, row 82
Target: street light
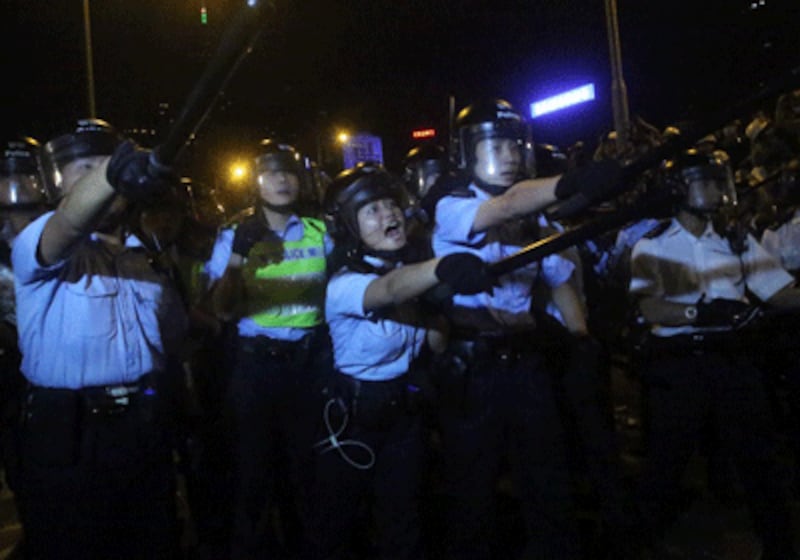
column 87, row 32
column 342, row 137
column 238, row 171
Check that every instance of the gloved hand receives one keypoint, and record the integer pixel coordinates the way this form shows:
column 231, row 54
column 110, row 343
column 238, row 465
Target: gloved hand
column 595, row 180
column 720, row 312
column 132, row 174
column 465, row 273
column 247, row 234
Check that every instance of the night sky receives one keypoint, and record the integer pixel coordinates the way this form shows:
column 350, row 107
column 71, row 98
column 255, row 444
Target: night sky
column 386, row 67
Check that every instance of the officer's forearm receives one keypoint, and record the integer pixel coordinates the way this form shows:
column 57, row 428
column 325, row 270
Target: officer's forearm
column 401, row 284
column 523, row 198
column 569, row 304
column 660, row 311
column 77, row 215
column 227, row 293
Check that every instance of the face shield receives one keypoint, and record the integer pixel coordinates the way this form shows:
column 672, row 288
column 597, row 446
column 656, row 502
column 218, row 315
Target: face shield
column 22, row 197
column 498, row 153
column 710, row 188
column 419, row 176
column 70, row 156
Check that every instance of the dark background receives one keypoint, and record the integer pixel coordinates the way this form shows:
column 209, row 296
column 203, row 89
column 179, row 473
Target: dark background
column 384, row 67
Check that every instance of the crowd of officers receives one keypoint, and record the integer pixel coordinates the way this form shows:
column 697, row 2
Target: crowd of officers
column 339, row 371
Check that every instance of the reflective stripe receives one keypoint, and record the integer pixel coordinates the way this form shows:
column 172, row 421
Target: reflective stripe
column 289, row 293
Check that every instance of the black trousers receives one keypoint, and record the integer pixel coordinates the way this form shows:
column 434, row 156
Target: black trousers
column 95, row 482
column 366, row 488
column 684, row 389
column 502, row 403
column 270, row 401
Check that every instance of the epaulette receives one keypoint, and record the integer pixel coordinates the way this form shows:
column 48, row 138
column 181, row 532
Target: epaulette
column 658, row 230
column 445, row 185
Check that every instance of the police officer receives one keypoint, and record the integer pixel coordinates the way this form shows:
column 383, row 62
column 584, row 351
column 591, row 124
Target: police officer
column 500, row 390
column 423, row 165
column 690, row 287
column 273, row 286
column 97, row 326
column 372, row 450
column 22, row 199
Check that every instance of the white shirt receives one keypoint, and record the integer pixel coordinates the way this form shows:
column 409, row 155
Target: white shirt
column 682, row 268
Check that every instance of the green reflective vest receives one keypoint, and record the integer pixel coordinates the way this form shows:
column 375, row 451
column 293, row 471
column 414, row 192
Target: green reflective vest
column 285, row 286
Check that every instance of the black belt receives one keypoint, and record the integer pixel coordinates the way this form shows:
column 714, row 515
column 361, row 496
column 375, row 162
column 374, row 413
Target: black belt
column 696, row 343
column 506, row 349
column 104, row 399
column 276, row 348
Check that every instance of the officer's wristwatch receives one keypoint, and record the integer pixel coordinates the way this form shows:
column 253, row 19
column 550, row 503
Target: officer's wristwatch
column 690, row 311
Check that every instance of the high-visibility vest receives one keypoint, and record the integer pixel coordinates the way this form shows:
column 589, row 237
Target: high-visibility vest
column 291, row 291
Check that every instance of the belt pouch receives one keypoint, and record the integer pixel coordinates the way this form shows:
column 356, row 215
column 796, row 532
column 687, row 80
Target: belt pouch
column 51, row 433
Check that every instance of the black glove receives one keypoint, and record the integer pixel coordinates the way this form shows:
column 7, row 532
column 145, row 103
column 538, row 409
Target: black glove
column 133, row 174
column 720, row 312
column 595, row 180
column 465, row 273
column 247, row 234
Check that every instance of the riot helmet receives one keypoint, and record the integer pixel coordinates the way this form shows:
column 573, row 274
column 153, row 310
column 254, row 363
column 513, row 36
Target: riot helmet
column 704, row 180
column 20, row 175
column 277, row 156
column 500, row 163
column 91, row 138
column 278, row 171
column 352, row 189
column 424, row 164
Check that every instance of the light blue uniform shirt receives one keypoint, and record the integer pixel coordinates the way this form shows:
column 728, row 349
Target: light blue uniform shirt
column 509, row 305
column 216, row 265
column 94, row 318
column 366, row 346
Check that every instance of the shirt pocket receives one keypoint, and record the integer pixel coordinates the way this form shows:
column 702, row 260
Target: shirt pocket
column 91, row 307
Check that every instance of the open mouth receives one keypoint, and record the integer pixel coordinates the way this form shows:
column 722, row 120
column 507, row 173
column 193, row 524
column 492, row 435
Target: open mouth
column 392, row 230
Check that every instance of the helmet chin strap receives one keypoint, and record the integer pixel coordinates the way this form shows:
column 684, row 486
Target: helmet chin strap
column 493, row 190
column 699, row 213
column 394, row 256
column 279, row 208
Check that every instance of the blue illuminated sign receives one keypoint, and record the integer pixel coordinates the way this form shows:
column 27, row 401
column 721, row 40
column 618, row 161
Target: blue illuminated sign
column 562, row 100
column 362, row 147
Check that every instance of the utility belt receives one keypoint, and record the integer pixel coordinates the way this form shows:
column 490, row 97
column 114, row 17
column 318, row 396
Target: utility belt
column 102, row 400
column 273, row 348
column 376, row 405
column 505, row 349
column 54, row 419
column 695, row 343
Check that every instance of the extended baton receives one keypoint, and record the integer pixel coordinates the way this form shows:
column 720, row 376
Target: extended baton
column 649, row 205
column 237, row 41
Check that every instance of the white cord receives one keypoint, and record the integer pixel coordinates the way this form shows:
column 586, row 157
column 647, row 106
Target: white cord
column 333, row 441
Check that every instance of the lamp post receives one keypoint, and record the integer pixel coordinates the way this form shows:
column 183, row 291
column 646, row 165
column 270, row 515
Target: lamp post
column 619, row 93
column 87, row 32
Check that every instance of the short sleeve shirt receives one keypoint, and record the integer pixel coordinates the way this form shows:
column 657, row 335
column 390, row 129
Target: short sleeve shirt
column 367, row 345
column 95, row 318
column 510, row 304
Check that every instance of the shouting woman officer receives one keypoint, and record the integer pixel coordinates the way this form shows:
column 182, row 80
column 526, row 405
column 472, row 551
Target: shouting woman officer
column 374, row 442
